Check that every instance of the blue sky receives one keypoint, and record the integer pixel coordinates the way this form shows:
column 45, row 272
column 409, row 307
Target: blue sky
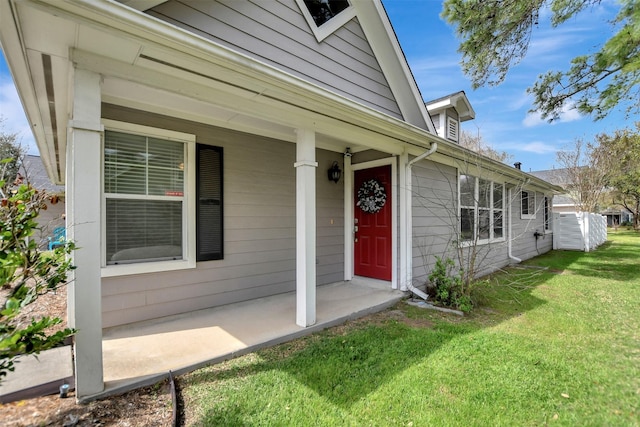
column 431, row 50
column 431, row 47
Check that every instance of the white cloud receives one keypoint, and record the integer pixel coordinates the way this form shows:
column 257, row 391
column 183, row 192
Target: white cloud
column 14, row 119
column 538, row 148
column 568, row 114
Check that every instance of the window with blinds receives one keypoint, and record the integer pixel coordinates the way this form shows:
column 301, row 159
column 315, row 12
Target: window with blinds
column 144, row 186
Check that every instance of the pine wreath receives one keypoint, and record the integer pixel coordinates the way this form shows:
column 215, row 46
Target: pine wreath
column 371, row 196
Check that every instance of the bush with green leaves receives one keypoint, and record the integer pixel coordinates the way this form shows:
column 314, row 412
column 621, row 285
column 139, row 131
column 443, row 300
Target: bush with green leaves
column 449, row 287
column 27, row 273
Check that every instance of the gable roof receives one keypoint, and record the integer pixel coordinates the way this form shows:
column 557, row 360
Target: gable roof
column 179, row 73
column 558, row 176
column 43, row 40
column 379, row 32
column 377, row 26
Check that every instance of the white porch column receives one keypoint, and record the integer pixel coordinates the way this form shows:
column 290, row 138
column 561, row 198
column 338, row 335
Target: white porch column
column 83, row 180
column 305, row 227
column 405, row 219
column 348, row 219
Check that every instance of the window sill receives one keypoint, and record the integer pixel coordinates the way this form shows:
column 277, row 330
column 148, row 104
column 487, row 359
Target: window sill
column 145, row 267
column 469, row 243
column 527, row 217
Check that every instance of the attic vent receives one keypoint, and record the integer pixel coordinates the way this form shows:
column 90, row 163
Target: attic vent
column 326, row 16
column 452, row 129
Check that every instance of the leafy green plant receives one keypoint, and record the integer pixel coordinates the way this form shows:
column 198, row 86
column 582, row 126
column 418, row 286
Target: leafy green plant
column 449, row 287
column 26, row 273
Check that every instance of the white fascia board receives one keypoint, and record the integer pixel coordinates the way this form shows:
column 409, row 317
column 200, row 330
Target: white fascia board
column 452, row 154
column 142, row 5
column 470, row 112
column 382, row 39
column 466, row 112
column 16, row 57
column 440, row 105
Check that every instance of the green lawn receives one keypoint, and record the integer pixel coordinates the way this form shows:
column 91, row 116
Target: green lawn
column 559, row 346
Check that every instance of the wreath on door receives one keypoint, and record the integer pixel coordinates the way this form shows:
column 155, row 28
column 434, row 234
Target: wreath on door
column 371, row 196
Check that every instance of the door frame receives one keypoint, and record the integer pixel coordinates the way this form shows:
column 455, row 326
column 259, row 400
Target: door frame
column 349, row 191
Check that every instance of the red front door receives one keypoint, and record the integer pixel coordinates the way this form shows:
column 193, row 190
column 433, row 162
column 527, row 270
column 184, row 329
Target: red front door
column 372, row 190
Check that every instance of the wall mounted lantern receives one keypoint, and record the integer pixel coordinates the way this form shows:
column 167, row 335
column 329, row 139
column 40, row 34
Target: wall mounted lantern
column 334, row 172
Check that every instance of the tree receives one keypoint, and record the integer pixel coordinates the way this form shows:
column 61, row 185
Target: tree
column 476, row 143
column 26, row 272
column 495, row 36
column 623, row 175
column 583, row 173
column 10, row 150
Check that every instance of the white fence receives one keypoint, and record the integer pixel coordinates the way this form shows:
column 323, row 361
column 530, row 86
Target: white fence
column 579, row 231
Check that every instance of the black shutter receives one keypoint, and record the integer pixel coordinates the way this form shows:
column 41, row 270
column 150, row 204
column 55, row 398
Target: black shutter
column 209, row 241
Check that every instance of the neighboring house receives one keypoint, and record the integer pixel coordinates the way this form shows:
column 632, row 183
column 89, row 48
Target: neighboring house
column 616, row 217
column 195, row 139
column 49, row 219
column 563, row 203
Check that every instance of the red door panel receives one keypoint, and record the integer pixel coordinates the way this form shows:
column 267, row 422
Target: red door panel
column 372, row 257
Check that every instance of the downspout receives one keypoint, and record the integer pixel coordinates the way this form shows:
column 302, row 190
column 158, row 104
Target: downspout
column 509, row 239
column 409, row 215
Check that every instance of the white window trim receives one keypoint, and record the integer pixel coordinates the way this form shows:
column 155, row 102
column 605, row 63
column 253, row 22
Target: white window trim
column 332, row 25
column 188, row 212
column 491, row 239
column 550, row 205
column 535, row 206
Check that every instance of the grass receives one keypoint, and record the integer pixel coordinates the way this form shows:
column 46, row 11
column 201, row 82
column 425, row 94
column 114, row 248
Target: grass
column 557, row 346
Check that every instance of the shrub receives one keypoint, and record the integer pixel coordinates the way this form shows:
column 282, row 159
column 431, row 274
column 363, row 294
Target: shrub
column 449, row 286
column 26, row 274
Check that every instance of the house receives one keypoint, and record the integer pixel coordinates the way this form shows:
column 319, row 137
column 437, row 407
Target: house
column 566, row 202
column 562, row 202
column 218, row 151
column 51, row 218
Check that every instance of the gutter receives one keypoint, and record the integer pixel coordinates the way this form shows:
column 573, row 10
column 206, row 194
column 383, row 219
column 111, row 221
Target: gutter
column 509, row 239
column 408, row 212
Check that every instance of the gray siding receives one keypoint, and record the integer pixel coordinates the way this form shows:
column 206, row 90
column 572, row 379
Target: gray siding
column 276, row 33
column 259, row 230
column 524, row 244
column 435, row 226
column 434, row 205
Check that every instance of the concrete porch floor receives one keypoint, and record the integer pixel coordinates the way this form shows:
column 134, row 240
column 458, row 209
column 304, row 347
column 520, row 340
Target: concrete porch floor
column 143, row 353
